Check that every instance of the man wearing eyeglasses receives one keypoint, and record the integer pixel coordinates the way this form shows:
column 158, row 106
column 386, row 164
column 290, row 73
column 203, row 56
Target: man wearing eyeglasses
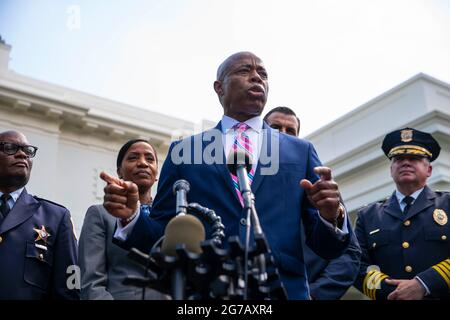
column 37, row 243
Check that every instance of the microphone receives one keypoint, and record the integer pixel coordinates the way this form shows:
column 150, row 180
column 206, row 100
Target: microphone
column 180, row 189
column 182, row 229
column 239, row 159
column 239, row 164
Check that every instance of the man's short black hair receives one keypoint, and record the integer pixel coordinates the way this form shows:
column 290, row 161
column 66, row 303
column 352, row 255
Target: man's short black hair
column 127, row 145
column 284, row 110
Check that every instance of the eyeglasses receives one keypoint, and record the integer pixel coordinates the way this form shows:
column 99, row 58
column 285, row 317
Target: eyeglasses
column 12, row 148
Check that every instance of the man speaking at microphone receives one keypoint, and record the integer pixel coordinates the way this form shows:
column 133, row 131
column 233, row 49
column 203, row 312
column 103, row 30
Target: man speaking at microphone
column 300, row 191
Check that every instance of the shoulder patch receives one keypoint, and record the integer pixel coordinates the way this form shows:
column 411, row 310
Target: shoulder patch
column 56, row 204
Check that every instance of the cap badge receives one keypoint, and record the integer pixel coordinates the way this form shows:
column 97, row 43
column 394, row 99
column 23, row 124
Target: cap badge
column 406, row 135
column 440, row 217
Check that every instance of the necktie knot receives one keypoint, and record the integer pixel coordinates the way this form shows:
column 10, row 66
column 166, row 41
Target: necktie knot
column 4, row 206
column 408, row 200
column 241, row 127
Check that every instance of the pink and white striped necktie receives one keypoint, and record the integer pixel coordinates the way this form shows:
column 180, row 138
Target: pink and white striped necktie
column 242, row 142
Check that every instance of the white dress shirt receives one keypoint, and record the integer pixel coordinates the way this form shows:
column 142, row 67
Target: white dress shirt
column 254, row 133
column 400, row 196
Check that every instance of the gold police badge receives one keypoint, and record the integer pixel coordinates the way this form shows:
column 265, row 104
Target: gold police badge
column 42, row 234
column 406, row 135
column 440, row 217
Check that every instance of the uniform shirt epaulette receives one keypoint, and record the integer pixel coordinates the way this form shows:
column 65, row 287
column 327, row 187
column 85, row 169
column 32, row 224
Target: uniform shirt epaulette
column 369, row 205
column 440, row 192
column 382, row 201
column 42, row 199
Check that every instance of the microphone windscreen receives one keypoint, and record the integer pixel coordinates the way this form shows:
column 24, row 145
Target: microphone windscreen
column 181, row 185
column 238, row 158
column 183, row 229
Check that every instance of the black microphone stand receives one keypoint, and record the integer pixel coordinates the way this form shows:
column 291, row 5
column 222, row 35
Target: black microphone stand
column 252, row 219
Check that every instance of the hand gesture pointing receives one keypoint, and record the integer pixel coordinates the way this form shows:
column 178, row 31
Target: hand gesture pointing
column 121, row 197
column 323, row 194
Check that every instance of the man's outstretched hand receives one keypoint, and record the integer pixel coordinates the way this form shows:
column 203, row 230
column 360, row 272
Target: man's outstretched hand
column 323, row 194
column 121, row 197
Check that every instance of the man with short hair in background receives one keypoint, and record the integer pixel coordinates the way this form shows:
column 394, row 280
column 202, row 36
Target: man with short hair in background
column 328, row 279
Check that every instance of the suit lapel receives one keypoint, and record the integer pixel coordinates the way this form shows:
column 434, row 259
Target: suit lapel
column 393, row 208
column 424, row 201
column 23, row 209
column 221, row 166
column 268, row 136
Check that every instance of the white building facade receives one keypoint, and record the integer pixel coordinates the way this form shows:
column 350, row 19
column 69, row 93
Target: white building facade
column 351, row 145
column 78, row 136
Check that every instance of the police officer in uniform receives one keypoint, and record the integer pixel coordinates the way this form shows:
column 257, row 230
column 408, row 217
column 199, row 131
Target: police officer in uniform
column 405, row 238
column 38, row 249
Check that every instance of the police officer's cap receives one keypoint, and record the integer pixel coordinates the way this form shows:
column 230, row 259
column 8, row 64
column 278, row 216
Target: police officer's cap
column 409, row 141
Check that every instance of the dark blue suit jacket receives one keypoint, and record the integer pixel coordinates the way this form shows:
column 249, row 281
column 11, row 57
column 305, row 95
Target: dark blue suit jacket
column 26, row 271
column 281, row 203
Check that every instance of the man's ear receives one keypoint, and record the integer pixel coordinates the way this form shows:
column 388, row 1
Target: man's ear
column 119, row 173
column 218, row 88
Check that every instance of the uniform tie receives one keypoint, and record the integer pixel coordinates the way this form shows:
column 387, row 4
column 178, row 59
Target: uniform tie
column 242, row 142
column 408, row 200
column 4, row 206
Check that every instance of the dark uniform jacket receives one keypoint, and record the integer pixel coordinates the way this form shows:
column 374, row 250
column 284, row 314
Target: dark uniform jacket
column 330, row 279
column 27, row 270
column 401, row 247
